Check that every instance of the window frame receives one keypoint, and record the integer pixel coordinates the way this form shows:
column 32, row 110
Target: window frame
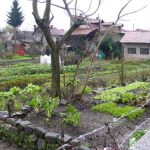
column 144, row 48
column 132, row 48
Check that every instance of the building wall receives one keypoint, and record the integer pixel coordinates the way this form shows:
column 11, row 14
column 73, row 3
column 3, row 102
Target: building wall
column 136, row 56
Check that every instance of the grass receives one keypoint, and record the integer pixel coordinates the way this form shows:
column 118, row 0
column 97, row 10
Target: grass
column 17, row 57
column 117, row 111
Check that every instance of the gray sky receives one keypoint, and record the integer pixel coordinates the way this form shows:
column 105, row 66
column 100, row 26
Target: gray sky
column 108, row 12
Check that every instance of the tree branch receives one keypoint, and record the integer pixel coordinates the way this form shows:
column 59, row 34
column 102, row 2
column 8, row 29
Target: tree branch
column 47, row 10
column 133, row 11
column 35, row 10
column 99, row 3
column 68, row 33
column 68, row 10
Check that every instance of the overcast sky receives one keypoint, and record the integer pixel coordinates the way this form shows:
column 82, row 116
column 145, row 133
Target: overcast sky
column 108, row 12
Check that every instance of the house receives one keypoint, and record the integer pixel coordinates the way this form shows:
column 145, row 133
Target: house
column 136, row 45
column 25, row 42
column 55, row 33
column 84, row 35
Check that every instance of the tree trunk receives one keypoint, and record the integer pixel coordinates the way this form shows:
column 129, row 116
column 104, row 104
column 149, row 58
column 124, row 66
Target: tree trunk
column 55, row 73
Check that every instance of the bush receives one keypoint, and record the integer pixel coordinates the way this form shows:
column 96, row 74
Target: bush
column 7, row 56
column 71, row 59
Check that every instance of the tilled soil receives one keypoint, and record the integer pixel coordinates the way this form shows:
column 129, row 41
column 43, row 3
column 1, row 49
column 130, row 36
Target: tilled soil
column 8, row 146
column 107, row 137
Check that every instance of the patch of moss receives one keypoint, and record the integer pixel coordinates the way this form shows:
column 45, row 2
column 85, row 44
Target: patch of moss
column 117, row 111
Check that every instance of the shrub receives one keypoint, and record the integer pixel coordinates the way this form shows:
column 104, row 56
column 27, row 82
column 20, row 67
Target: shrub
column 71, row 59
column 8, row 56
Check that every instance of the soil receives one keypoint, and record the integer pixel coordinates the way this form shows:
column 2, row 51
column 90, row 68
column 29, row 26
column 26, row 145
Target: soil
column 8, row 146
column 89, row 122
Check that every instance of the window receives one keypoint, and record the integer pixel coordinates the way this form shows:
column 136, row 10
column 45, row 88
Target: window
column 131, row 50
column 144, row 51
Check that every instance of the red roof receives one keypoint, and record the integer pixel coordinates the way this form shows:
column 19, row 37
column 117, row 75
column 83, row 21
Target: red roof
column 136, row 37
column 83, row 31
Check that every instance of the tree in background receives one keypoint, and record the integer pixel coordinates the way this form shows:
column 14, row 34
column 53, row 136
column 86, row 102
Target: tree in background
column 110, row 48
column 15, row 16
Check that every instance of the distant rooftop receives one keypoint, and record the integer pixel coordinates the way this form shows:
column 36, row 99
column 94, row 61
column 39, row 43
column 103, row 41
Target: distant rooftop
column 83, row 31
column 136, row 37
column 56, row 32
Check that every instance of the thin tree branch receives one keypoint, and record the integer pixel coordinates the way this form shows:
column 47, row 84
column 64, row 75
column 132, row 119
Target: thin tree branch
column 100, row 41
column 133, row 11
column 68, row 10
column 35, row 10
column 76, row 8
column 99, row 3
column 47, row 10
column 89, row 7
column 70, row 2
column 68, row 33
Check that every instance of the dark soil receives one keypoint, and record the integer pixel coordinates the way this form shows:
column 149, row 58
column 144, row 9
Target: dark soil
column 89, row 122
column 8, row 146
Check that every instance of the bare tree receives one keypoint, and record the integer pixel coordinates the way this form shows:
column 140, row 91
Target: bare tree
column 120, row 16
column 44, row 24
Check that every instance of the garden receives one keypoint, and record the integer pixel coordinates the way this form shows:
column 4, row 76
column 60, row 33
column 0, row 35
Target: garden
column 114, row 103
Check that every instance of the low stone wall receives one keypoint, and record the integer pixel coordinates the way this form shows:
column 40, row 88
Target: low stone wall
column 30, row 137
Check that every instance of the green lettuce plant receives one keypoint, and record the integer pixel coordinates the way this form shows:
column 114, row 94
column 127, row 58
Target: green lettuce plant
column 72, row 116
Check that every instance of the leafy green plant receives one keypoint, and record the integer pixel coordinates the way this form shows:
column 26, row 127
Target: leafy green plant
column 15, row 90
column 50, row 105
column 36, row 103
column 136, row 136
column 127, row 97
column 31, row 89
column 87, row 90
column 117, row 111
column 116, row 94
column 72, row 116
column 17, row 105
column 9, row 98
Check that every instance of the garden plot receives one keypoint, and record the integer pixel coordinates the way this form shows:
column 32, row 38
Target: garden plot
column 83, row 115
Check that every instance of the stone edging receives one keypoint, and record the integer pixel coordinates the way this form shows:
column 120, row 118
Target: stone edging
column 25, row 134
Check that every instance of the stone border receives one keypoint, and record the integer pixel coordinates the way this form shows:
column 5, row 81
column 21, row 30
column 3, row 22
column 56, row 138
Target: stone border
column 26, row 135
